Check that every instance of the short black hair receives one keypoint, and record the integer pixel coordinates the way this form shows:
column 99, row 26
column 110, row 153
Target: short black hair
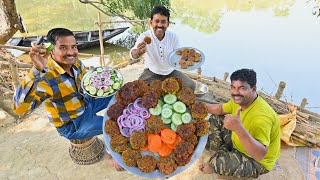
column 160, row 10
column 54, row 34
column 245, row 75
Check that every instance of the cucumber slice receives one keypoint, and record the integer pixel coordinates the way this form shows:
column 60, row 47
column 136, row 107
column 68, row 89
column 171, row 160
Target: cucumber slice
column 92, row 88
column 105, row 94
column 87, row 88
column 170, row 98
column 99, row 70
column 48, row 46
column 179, row 107
column 160, row 103
column 166, row 120
column 186, row 118
column 100, row 92
column 86, row 83
column 93, row 91
column 173, row 127
column 176, row 119
column 111, row 90
column 116, row 85
column 166, row 112
column 87, row 79
column 167, row 106
column 155, row 111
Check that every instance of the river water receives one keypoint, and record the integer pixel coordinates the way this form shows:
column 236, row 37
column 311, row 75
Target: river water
column 279, row 39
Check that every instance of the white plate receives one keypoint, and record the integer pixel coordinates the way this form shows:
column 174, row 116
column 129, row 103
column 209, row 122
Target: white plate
column 155, row 174
column 174, row 59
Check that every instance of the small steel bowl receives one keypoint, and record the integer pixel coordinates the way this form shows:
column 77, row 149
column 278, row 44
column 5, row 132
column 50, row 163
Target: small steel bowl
column 201, row 89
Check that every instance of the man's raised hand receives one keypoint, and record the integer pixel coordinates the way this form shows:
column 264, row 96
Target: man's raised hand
column 39, row 61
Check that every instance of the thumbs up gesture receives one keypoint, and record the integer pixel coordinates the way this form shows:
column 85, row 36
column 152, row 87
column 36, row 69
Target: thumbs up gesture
column 233, row 123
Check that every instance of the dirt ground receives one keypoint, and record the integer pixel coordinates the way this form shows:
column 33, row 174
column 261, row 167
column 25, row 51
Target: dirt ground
column 32, row 149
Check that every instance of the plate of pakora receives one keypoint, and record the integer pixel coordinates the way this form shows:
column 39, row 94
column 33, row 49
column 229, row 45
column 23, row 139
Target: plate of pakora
column 101, row 82
column 186, row 58
column 155, row 130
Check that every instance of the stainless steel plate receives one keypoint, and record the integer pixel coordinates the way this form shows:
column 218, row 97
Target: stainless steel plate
column 174, row 59
column 89, row 73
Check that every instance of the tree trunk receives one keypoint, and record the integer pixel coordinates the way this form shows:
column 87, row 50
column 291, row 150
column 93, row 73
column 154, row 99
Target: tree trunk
column 9, row 20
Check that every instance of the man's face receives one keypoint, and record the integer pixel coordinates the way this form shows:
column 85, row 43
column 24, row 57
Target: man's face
column 241, row 92
column 159, row 24
column 65, row 50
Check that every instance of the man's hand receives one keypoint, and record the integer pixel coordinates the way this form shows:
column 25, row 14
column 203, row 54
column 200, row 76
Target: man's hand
column 206, row 168
column 140, row 50
column 233, row 123
column 38, row 61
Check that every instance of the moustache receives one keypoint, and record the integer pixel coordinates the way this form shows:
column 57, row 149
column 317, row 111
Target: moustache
column 236, row 95
column 66, row 56
column 159, row 27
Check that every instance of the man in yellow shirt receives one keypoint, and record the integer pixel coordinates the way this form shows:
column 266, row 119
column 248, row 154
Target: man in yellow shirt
column 247, row 140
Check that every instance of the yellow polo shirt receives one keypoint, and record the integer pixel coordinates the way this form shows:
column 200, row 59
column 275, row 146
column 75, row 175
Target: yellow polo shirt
column 262, row 123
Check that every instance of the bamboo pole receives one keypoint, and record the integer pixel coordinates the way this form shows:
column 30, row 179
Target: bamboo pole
column 19, row 65
column 212, row 79
column 281, row 87
column 304, row 102
column 199, row 71
column 122, row 21
column 102, row 63
column 27, row 49
column 14, row 73
column 225, row 76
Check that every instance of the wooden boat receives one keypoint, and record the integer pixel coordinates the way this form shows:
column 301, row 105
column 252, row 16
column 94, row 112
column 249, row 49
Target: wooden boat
column 85, row 39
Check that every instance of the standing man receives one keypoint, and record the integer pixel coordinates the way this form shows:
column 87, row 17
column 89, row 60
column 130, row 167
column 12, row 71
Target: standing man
column 247, row 141
column 163, row 42
column 55, row 80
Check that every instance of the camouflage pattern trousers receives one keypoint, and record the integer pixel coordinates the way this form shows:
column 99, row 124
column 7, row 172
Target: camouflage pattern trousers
column 228, row 161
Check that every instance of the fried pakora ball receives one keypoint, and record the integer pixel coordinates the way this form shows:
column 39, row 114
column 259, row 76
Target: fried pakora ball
column 111, row 128
column 119, row 143
column 179, row 52
column 156, row 87
column 170, row 85
column 180, row 81
column 147, row 164
column 202, row 127
column 186, row 130
column 129, row 92
column 138, row 140
column 197, row 59
column 187, row 96
column 192, row 52
column 191, row 58
column 182, row 61
column 130, row 157
column 154, row 125
column 199, row 110
column 183, row 153
column 147, row 40
column 115, row 110
column 167, row 165
column 149, row 100
column 189, row 63
column 192, row 139
column 143, row 87
column 184, row 65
